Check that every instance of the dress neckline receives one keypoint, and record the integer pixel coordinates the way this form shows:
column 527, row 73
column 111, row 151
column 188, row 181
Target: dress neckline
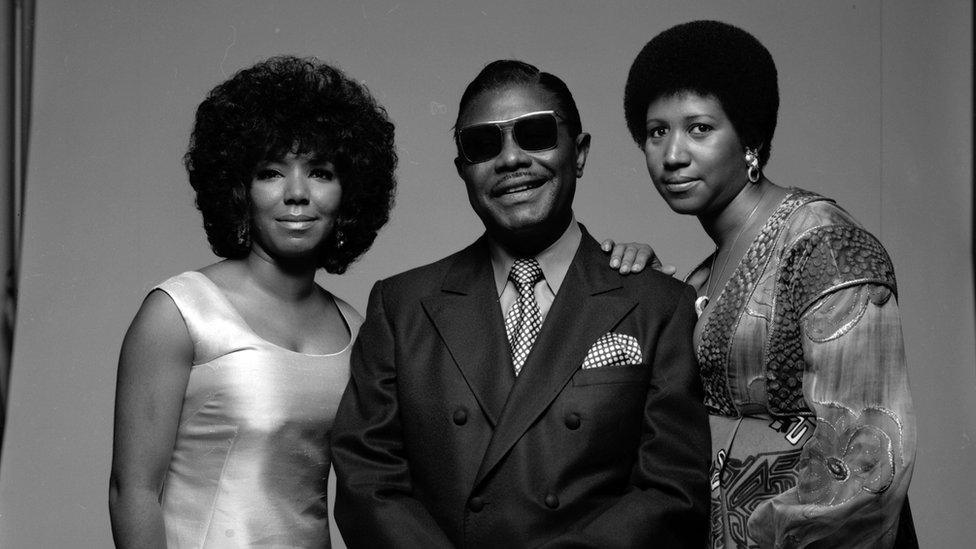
column 207, row 281
column 714, row 345
column 773, row 218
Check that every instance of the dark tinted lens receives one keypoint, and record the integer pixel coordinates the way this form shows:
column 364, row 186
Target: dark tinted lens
column 480, row 143
column 536, row 133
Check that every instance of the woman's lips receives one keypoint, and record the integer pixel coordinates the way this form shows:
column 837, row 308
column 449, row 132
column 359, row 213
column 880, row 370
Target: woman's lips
column 296, row 222
column 680, row 185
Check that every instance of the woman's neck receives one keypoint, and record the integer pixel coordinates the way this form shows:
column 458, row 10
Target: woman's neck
column 282, row 280
column 741, row 212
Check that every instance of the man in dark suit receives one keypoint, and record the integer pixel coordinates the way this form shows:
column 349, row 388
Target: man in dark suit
column 519, row 393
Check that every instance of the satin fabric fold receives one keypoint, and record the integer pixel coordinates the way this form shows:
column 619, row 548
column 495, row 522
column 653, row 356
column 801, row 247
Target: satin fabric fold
column 251, row 461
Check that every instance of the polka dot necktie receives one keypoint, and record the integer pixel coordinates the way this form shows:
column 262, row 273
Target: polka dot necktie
column 524, row 320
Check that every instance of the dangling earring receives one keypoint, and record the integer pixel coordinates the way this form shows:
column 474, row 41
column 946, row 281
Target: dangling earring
column 244, row 234
column 339, row 240
column 752, row 159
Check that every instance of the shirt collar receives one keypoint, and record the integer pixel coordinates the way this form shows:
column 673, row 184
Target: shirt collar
column 554, row 260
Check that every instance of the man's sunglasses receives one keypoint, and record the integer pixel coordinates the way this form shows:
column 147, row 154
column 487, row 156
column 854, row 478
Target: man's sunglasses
column 532, row 132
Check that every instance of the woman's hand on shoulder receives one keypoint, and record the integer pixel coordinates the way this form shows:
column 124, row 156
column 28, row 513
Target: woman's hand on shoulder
column 632, row 257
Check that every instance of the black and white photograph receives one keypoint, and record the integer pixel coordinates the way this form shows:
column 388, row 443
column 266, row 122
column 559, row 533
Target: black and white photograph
column 458, row 273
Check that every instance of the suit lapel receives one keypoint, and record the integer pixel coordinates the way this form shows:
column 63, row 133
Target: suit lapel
column 467, row 316
column 587, row 306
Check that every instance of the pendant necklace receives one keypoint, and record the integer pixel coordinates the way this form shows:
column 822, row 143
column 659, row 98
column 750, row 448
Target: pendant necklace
column 703, row 300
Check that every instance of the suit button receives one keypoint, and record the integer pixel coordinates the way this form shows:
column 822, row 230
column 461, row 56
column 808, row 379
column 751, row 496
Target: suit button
column 552, row 501
column 460, row 416
column 476, row 504
column 573, row 421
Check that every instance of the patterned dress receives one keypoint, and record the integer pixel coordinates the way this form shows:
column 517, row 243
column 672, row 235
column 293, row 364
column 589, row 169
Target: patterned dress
column 813, row 432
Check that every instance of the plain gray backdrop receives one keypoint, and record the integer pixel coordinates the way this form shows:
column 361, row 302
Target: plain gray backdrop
column 876, row 112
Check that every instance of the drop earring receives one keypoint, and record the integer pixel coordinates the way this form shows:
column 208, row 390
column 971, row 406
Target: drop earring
column 244, row 234
column 752, row 160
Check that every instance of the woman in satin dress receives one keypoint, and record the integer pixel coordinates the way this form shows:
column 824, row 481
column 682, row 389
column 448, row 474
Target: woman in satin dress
column 799, row 338
column 230, row 375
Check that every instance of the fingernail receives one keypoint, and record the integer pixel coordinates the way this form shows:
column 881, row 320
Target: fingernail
column 614, row 263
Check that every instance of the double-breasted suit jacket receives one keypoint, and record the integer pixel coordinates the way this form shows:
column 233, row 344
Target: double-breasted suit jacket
column 438, row 444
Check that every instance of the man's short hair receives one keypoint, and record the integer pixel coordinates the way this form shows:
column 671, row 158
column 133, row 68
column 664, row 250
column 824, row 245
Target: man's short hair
column 511, row 72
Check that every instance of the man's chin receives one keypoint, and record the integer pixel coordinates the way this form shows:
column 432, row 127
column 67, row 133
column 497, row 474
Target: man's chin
column 521, row 226
column 530, row 231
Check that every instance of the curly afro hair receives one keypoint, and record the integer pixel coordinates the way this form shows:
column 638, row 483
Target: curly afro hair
column 709, row 58
column 289, row 104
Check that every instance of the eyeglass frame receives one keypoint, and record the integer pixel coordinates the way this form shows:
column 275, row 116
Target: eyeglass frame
column 508, row 124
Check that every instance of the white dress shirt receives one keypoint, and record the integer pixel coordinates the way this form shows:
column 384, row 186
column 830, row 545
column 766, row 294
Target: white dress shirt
column 554, row 261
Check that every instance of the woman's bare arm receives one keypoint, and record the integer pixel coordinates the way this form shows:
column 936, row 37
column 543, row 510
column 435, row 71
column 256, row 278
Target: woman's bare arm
column 154, row 366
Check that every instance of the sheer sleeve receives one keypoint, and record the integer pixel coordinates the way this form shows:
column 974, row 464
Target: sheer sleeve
column 854, row 471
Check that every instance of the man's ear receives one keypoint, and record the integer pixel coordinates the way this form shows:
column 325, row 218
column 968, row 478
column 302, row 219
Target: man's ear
column 582, row 149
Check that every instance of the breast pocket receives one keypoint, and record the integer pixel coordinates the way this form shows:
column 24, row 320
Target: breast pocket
column 611, row 400
column 613, row 358
column 634, row 373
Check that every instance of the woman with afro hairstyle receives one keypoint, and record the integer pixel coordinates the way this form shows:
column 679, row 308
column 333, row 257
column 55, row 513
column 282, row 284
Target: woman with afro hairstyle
column 230, row 376
column 798, row 339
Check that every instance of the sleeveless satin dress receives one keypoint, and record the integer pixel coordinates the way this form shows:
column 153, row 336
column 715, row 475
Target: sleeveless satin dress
column 250, row 465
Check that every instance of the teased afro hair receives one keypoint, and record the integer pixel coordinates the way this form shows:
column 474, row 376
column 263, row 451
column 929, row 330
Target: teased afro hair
column 288, row 104
column 708, row 58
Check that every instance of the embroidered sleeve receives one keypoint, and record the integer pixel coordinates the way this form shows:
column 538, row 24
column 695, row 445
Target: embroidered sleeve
column 854, row 472
column 822, row 261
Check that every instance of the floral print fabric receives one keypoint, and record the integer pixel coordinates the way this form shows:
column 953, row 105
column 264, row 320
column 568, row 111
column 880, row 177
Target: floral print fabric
column 833, row 469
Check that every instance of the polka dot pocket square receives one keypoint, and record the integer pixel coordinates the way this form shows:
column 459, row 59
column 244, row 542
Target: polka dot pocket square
column 613, row 349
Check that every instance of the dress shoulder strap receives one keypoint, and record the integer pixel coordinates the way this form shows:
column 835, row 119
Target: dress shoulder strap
column 214, row 326
column 349, row 313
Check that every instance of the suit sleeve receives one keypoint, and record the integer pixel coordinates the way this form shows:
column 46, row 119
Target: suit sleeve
column 374, row 502
column 667, row 502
